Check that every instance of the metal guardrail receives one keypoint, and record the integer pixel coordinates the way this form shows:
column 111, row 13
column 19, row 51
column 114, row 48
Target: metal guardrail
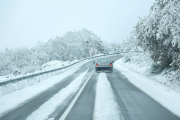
column 13, row 84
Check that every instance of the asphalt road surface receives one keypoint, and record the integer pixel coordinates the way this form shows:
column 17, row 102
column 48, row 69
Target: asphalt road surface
column 134, row 104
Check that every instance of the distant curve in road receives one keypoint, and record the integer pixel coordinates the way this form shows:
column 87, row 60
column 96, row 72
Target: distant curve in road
column 134, row 104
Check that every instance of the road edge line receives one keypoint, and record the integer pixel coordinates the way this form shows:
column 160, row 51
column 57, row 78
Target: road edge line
column 64, row 115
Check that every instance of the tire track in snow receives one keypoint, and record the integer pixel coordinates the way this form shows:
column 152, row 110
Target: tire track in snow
column 106, row 107
column 58, row 113
column 13, row 110
column 48, row 107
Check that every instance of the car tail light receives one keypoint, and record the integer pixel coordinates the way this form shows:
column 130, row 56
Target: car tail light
column 97, row 64
column 110, row 64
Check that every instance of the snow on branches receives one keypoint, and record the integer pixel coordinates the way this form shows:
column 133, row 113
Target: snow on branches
column 74, row 45
column 159, row 32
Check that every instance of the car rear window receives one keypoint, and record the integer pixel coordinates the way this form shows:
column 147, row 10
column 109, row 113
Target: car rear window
column 103, row 60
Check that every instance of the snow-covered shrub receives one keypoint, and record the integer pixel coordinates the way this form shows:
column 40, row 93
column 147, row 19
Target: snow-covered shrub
column 176, row 63
column 74, row 45
column 156, row 68
column 108, row 48
column 141, row 63
column 127, row 58
column 137, row 61
column 159, row 32
column 130, row 44
column 93, row 51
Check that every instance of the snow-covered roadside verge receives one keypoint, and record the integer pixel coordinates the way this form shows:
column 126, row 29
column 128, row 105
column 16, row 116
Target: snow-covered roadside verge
column 141, row 63
column 168, row 98
column 50, row 106
column 47, row 66
column 56, row 64
column 12, row 84
column 50, row 67
column 23, row 95
column 106, row 107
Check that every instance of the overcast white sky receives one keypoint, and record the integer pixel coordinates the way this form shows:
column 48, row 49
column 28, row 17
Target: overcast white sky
column 25, row 22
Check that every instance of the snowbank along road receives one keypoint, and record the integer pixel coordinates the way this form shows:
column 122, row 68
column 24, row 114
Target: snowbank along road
column 86, row 95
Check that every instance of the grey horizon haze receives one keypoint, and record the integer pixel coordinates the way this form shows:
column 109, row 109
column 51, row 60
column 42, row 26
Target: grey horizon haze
column 23, row 23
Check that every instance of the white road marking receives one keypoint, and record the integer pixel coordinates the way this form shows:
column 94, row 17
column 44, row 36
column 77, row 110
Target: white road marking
column 74, row 100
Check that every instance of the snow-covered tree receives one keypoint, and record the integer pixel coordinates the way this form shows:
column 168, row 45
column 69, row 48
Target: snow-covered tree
column 159, row 32
column 73, row 45
column 93, row 51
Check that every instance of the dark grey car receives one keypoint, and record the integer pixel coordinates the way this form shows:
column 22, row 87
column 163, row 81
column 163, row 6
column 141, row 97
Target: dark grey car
column 103, row 65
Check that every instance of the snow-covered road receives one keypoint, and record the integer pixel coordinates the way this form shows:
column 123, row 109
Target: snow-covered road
column 58, row 99
column 21, row 96
column 106, row 107
column 121, row 95
column 168, row 98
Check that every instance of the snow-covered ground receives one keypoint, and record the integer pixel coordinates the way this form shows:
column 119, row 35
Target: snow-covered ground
column 47, row 66
column 141, row 63
column 50, row 106
column 106, row 107
column 27, row 93
column 56, row 64
column 136, row 67
column 137, row 70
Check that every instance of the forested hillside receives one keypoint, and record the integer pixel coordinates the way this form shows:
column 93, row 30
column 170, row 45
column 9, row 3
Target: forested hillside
column 159, row 33
column 74, row 45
